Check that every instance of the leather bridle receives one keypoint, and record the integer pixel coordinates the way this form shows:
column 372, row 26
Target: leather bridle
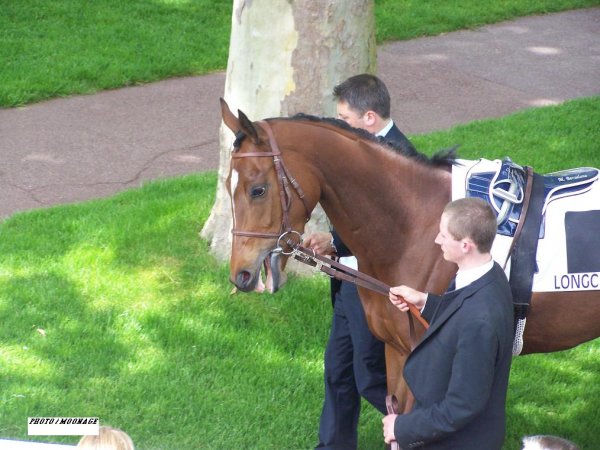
column 284, row 181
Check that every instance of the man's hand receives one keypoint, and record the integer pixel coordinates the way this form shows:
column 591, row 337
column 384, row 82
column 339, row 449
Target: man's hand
column 388, row 428
column 320, row 242
column 400, row 295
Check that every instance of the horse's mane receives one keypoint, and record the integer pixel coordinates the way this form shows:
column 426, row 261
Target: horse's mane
column 444, row 157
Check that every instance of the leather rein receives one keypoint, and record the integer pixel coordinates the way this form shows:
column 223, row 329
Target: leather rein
column 342, row 272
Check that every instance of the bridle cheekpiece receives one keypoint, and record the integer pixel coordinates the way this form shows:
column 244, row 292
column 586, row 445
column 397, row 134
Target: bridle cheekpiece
column 284, row 181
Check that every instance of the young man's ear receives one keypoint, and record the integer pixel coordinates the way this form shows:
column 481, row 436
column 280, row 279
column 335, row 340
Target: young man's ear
column 370, row 118
column 467, row 244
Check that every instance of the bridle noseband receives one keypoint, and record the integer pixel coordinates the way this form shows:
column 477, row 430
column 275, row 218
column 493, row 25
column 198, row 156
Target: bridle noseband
column 284, row 180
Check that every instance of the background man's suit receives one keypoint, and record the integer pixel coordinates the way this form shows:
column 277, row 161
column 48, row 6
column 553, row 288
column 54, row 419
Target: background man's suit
column 354, row 358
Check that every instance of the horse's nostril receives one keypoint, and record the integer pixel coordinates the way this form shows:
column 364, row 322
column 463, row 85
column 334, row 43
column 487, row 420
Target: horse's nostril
column 243, row 280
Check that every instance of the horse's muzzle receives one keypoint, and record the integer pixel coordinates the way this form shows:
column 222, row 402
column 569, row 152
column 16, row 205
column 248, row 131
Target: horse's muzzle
column 247, row 281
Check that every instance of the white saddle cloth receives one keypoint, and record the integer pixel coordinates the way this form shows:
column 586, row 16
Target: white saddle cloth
column 557, row 250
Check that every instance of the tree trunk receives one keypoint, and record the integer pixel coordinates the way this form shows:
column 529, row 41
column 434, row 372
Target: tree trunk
column 285, row 57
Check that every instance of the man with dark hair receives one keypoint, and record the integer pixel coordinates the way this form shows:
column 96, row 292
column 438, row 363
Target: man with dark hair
column 354, row 358
column 459, row 371
column 363, row 101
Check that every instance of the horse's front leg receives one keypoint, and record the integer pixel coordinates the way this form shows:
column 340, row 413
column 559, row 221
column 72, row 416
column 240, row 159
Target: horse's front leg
column 396, row 385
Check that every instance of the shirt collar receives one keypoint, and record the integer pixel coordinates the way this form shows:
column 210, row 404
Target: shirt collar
column 465, row 277
column 385, row 130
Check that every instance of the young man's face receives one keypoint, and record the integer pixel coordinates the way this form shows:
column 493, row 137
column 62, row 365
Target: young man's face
column 350, row 116
column 453, row 250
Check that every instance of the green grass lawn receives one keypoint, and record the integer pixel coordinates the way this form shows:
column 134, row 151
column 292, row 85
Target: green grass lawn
column 115, row 308
column 65, row 47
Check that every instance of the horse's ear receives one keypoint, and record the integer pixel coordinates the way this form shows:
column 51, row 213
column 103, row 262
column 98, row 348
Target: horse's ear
column 248, row 127
column 229, row 119
column 236, row 125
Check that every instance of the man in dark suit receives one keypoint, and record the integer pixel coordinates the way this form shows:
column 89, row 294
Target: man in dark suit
column 363, row 101
column 459, row 371
column 354, row 358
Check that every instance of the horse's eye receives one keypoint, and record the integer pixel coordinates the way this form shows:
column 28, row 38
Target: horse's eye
column 258, row 191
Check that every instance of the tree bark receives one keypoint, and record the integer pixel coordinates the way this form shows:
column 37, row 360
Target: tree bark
column 285, row 57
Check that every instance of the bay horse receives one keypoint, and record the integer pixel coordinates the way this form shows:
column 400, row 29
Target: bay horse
column 386, row 208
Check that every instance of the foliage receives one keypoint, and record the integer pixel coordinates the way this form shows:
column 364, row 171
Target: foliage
column 58, row 48
column 547, row 139
column 65, row 47
column 407, row 19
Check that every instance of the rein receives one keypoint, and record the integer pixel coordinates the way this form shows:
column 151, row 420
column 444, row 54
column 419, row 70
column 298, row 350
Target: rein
column 341, row 272
column 284, row 180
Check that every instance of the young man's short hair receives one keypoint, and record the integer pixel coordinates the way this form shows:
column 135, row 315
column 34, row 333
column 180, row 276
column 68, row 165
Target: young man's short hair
column 473, row 218
column 364, row 92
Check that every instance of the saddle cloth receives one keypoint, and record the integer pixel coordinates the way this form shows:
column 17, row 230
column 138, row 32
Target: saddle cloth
column 568, row 254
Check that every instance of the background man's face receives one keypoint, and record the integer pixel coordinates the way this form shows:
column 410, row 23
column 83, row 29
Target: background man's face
column 350, row 116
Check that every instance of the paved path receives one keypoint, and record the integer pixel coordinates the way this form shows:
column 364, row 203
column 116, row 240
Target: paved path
column 83, row 147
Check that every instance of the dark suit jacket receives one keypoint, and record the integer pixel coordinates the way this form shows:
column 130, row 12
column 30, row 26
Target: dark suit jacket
column 395, row 137
column 459, row 371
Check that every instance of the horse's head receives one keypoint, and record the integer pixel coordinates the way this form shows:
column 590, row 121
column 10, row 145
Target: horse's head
column 264, row 215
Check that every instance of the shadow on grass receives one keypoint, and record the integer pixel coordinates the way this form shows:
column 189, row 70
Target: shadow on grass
column 137, row 318
column 141, row 331
column 555, row 394
column 54, row 343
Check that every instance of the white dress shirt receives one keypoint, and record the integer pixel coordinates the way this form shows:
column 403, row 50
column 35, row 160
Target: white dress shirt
column 465, row 277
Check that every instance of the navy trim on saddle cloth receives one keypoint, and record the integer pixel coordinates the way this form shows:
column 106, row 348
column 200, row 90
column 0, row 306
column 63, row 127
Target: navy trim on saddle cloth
column 505, row 191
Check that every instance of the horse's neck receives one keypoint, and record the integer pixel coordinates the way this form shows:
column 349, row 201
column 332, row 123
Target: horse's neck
column 375, row 187
column 367, row 188
column 385, row 206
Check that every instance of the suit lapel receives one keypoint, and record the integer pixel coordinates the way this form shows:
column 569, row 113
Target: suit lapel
column 451, row 302
column 448, row 305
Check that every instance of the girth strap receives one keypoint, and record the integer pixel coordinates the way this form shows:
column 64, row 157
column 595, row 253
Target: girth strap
column 523, row 254
column 391, row 404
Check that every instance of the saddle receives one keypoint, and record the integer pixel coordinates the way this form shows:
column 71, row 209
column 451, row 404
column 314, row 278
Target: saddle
column 520, row 197
column 504, row 189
